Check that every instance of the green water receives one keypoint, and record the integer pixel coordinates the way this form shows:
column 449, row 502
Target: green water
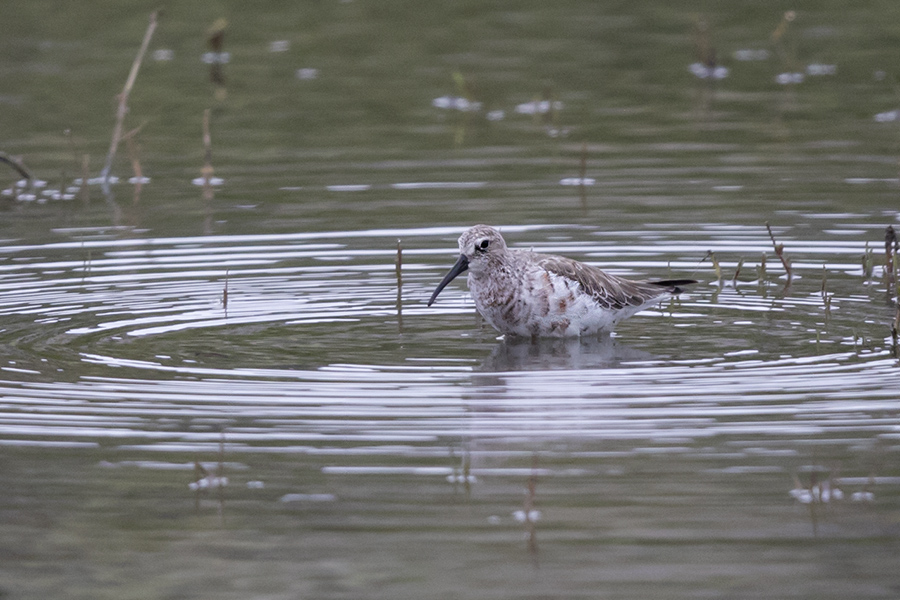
column 384, row 450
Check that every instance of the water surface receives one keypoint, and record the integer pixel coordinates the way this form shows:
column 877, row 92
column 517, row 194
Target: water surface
column 236, row 395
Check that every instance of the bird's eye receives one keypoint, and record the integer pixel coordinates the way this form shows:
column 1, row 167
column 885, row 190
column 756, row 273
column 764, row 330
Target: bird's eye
column 484, row 244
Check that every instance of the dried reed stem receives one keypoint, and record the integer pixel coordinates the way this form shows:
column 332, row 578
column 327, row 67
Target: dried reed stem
column 890, row 249
column 715, row 263
column 782, row 28
column 529, row 507
column 895, row 330
column 83, row 191
column 582, row 174
column 398, row 263
column 133, row 156
column 867, row 262
column 207, row 170
column 399, row 267
column 737, row 272
column 826, row 299
column 17, row 165
column 225, row 295
column 123, row 101
column 779, row 252
column 221, row 474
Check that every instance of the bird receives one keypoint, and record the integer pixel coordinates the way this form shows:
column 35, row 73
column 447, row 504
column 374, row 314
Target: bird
column 523, row 293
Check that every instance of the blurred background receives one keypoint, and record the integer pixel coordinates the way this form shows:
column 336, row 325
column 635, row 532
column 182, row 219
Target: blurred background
column 220, row 379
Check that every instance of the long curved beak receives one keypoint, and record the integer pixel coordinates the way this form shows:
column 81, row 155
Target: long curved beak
column 462, row 263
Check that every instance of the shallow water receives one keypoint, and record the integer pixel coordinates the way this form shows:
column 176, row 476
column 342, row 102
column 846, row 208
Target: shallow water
column 243, row 395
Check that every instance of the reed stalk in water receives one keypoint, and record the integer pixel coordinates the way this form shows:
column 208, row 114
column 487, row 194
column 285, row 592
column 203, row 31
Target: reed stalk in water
column 779, row 252
column 123, row 101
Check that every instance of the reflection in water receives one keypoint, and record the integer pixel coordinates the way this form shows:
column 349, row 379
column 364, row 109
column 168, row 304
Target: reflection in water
column 217, row 57
column 368, row 463
column 398, row 264
column 514, row 353
column 822, row 490
column 529, row 515
column 210, row 481
column 343, row 428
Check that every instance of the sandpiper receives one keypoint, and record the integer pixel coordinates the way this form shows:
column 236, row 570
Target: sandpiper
column 520, row 292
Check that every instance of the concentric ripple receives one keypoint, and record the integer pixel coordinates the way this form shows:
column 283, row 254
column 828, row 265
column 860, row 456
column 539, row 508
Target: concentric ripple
column 291, row 343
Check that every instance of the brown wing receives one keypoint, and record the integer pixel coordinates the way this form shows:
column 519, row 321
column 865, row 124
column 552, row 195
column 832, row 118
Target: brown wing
column 607, row 290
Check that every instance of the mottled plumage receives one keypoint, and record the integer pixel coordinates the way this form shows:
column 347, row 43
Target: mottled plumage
column 524, row 293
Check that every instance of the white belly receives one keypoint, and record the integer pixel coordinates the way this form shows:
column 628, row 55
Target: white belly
column 542, row 304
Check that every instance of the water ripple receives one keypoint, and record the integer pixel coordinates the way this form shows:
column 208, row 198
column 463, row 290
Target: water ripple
column 137, row 341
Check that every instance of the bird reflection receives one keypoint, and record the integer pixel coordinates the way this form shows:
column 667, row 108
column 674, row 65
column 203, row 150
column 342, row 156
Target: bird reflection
column 545, row 354
column 535, row 354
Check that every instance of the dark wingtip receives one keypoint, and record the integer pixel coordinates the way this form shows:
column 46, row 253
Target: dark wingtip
column 674, row 285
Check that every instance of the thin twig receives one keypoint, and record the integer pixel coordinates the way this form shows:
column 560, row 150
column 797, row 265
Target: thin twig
column 867, row 262
column 216, row 41
column 75, row 158
column 207, row 170
column 582, row 173
column 133, row 156
column 399, row 266
column 737, row 272
column 207, row 145
column 222, row 479
column 529, row 510
column 895, row 329
column 83, row 191
column 17, row 165
column 779, row 252
column 123, row 101
column 715, row 263
column 131, row 146
column 890, row 244
column 225, row 295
